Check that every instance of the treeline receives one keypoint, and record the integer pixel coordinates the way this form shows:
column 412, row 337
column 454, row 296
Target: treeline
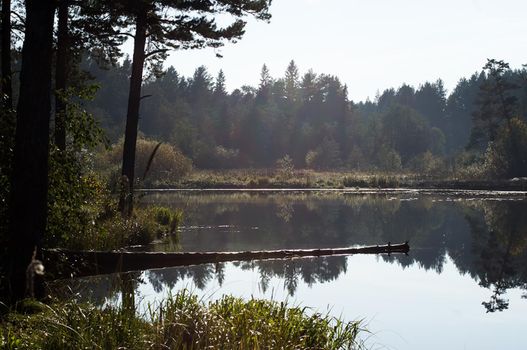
column 310, row 118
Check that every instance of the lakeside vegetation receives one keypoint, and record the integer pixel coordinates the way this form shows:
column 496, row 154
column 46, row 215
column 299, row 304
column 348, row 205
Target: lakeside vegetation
column 311, row 179
column 181, row 321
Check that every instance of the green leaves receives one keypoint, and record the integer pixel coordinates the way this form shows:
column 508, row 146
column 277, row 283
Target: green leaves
column 83, row 129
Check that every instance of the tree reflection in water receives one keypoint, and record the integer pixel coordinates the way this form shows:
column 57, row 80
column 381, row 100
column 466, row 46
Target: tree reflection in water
column 486, row 239
column 502, row 255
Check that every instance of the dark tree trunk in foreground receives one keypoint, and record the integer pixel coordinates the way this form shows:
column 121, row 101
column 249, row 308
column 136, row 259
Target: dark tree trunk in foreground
column 28, row 210
column 61, row 75
column 6, row 53
column 132, row 117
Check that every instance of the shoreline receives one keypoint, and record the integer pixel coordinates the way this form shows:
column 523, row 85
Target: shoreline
column 308, row 180
column 350, row 190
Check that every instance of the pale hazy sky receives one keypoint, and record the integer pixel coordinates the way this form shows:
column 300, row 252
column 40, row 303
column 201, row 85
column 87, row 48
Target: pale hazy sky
column 372, row 44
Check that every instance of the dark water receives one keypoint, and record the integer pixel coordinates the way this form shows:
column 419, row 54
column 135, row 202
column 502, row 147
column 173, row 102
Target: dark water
column 463, row 285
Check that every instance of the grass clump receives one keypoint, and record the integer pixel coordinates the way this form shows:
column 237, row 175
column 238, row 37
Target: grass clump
column 143, row 227
column 182, row 321
column 373, row 181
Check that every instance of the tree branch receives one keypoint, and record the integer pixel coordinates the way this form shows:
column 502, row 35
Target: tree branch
column 155, row 52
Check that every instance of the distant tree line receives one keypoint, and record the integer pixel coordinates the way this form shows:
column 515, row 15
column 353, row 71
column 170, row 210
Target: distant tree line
column 310, row 118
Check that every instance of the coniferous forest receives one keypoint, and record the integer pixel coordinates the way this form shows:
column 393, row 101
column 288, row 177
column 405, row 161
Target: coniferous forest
column 308, row 117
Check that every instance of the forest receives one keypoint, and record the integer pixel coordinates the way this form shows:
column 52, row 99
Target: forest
column 309, row 119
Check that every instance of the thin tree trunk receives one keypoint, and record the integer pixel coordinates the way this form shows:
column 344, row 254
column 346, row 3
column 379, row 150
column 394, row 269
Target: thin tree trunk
column 28, row 206
column 6, row 54
column 132, row 117
column 61, row 75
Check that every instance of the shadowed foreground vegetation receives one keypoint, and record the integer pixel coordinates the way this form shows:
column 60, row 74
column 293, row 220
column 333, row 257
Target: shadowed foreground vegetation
column 180, row 322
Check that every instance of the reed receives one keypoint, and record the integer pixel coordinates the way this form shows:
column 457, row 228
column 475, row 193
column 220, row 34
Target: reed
column 182, row 321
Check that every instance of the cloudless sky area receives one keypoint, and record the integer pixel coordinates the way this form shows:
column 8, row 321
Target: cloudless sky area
column 372, row 45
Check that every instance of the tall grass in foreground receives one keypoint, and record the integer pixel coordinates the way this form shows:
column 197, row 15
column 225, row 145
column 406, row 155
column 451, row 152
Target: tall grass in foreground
column 180, row 322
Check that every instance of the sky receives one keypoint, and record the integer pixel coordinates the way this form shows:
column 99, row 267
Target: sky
column 371, row 45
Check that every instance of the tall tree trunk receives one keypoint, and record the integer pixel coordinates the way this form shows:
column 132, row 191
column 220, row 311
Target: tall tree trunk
column 132, row 116
column 61, row 74
column 6, row 53
column 28, row 206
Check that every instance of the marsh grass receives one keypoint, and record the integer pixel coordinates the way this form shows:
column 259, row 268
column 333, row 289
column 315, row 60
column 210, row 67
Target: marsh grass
column 312, row 179
column 298, row 178
column 182, row 321
column 261, row 178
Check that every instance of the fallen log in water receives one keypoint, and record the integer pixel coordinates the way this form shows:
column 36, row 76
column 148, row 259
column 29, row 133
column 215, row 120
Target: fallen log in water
column 86, row 263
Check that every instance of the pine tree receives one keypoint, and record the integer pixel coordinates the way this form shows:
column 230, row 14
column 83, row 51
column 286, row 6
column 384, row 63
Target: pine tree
column 219, row 86
column 496, row 104
column 163, row 25
column 29, row 186
column 292, row 81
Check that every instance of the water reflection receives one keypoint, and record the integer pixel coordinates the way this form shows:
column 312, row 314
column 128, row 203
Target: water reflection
column 485, row 239
column 307, row 270
column 501, row 260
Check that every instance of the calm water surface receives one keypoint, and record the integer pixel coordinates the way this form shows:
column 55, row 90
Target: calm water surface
column 463, row 285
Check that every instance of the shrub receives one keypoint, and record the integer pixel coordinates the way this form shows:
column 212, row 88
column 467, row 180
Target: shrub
column 168, row 166
column 506, row 157
column 285, row 167
column 76, row 199
column 312, row 159
column 325, row 156
column 389, row 159
column 427, row 164
column 469, row 165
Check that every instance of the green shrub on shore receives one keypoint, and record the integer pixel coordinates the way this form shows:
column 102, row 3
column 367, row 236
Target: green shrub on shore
column 168, row 166
column 90, row 219
column 143, row 227
column 180, row 322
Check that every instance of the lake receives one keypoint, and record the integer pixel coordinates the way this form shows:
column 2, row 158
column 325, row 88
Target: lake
column 462, row 286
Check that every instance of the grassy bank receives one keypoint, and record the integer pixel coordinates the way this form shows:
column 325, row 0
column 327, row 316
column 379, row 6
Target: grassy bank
column 108, row 230
column 180, row 322
column 270, row 178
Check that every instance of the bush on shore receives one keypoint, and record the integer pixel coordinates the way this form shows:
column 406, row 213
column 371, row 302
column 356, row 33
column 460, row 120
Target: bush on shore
column 168, row 165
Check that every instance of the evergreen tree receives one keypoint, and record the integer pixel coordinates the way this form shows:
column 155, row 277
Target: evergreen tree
column 430, row 101
column 81, row 27
column 219, row 86
column 496, row 104
column 459, row 109
column 292, row 82
column 173, row 25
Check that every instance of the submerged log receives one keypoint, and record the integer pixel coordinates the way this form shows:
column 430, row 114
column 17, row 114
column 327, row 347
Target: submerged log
column 86, row 263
